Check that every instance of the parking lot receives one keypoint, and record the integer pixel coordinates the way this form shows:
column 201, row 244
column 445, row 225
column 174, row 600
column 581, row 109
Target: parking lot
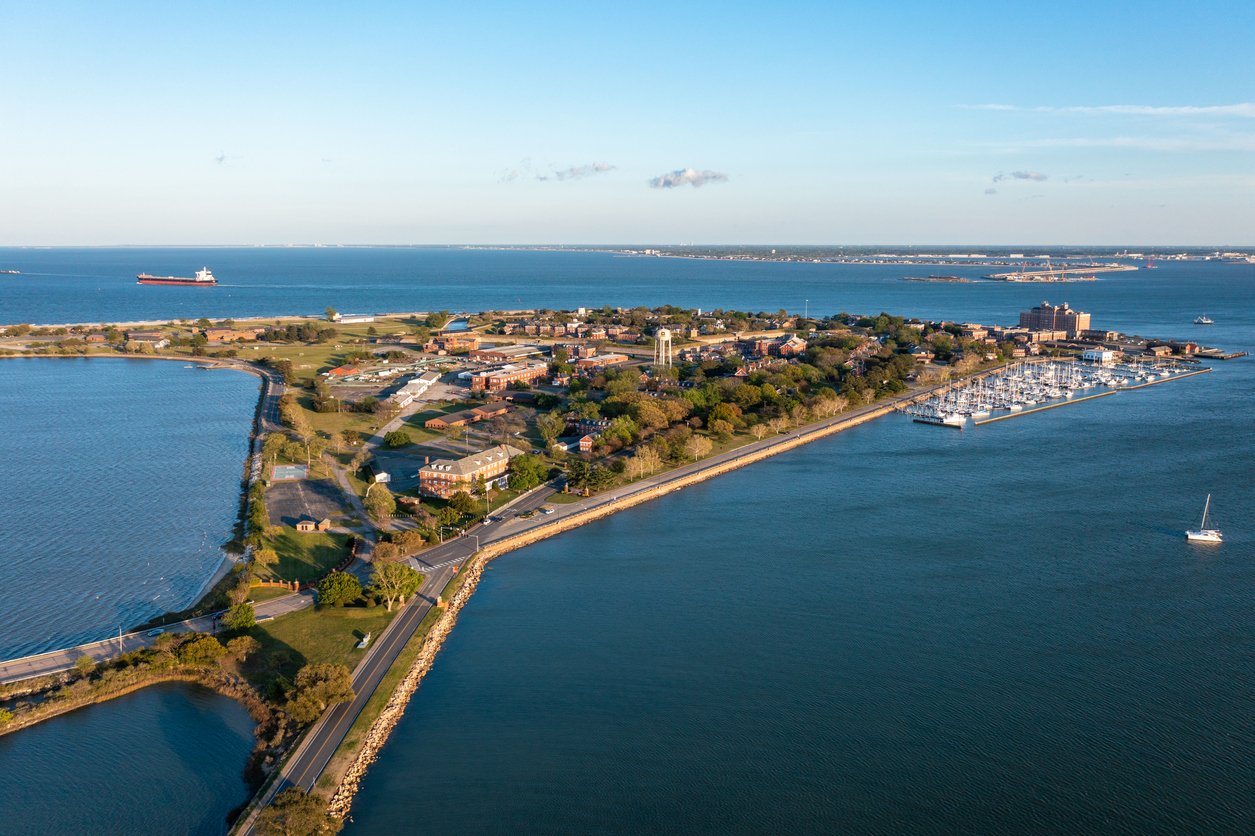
column 289, row 502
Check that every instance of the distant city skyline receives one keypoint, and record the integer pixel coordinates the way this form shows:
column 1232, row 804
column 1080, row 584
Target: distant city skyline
column 911, row 123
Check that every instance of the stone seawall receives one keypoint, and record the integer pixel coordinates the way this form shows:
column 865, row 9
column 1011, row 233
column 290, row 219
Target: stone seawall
column 379, row 731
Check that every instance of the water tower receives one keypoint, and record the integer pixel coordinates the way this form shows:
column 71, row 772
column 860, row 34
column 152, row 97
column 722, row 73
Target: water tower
column 662, row 347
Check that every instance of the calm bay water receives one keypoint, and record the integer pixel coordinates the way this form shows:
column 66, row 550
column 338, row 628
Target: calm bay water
column 167, row 759
column 121, row 482
column 901, row 628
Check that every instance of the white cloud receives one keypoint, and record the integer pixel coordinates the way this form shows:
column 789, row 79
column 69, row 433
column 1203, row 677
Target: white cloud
column 1020, row 175
column 577, row 172
column 691, row 176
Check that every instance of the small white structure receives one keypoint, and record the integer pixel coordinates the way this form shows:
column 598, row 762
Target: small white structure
column 1102, row 356
column 662, row 347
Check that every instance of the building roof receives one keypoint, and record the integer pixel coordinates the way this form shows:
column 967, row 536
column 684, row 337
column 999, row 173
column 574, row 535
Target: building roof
column 468, row 465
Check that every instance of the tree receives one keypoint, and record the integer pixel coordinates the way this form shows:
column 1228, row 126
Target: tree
column 380, row 503
column 550, row 425
column 721, row 428
column 84, row 665
column 393, row 581
column 200, row 650
column 759, row 431
column 462, row 502
column 6, row 716
column 398, row 438
column 241, row 647
column 698, row 447
column 338, row 589
column 352, row 437
column 527, row 471
column 332, row 313
column 296, row 813
column 385, row 552
column 272, row 447
column 317, row 687
column 239, row 617
column 265, row 558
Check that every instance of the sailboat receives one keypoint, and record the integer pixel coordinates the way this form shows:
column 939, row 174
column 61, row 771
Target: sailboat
column 1204, row 534
column 1203, row 320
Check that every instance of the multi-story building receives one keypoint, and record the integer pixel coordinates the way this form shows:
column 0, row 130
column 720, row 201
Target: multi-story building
column 506, row 353
column 1048, row 317
column 487, row 468
column 600, row 361
column 495, row 380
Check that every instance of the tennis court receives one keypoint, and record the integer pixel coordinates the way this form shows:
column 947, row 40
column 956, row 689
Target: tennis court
column 289, row 472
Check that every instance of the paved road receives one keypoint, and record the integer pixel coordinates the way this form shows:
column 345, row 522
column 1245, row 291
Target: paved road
column 314, row 752
column 56, row 661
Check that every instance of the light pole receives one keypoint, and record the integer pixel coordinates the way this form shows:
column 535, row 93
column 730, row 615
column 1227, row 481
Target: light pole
column 476, row 536
column 440, row 533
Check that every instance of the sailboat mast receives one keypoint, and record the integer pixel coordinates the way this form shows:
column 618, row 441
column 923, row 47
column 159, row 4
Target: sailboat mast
column 1206, row 506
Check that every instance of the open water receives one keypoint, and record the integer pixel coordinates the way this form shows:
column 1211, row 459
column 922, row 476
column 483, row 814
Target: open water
column 168, row 759
column 120, row 483
column 898, row 629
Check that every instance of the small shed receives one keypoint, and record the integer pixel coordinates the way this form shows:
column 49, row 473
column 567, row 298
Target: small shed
column 324, row 524
column 306, row 526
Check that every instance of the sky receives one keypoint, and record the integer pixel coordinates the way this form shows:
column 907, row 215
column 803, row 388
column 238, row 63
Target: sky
column 565, row 123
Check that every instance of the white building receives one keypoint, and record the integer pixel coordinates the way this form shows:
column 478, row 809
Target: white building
column 1102, row 356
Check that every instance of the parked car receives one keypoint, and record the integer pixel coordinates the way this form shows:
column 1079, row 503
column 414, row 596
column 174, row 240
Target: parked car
column 545, row 509
column 157, row 631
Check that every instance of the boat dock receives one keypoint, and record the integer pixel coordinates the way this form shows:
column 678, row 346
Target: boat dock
column 982, row 421
column 1164, row 379
column 1024, row 388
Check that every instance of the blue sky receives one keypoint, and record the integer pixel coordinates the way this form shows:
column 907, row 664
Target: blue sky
column 567, row 123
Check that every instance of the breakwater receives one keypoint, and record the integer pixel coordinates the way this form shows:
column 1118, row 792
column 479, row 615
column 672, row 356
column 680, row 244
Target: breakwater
column 1010, row 415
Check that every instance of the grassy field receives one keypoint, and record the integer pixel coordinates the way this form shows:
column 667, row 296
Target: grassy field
column 267, row 593
column 347, row 750
column 306, row 557
column 312, row 635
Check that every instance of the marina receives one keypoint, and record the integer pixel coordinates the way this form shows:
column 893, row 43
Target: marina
column 1028, row 387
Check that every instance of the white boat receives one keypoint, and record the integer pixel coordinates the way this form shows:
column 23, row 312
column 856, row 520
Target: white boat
column 1203, row 320
column 1203, row 534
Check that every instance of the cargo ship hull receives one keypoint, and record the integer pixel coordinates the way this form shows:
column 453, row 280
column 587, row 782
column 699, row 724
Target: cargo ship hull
column 204, row 278
column 172, row 280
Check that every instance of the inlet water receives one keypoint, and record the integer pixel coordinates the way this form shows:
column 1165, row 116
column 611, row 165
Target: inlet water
column 121, row 482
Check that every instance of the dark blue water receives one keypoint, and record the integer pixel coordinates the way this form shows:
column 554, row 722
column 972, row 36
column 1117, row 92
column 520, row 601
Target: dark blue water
column 120, row 483
column 168, row 759
column 898, row 629
column 93, row 285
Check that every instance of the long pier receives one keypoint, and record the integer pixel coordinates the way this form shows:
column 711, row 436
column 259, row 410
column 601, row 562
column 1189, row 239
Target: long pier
column 1042, row 408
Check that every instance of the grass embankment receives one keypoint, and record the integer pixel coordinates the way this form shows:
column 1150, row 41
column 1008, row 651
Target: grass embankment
column 306, row 557
column 311, row 636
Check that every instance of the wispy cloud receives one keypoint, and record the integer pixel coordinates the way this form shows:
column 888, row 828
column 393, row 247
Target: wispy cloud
column 509, row 175
column 1020, row 175
column 577, row 172
column 1244, row 110
column 221, row 158
column 991, row 191
column 690, row 176
column 1225, row 142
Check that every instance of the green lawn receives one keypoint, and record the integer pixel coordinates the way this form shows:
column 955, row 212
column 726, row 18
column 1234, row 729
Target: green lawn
column 312, row 635
column 266, row 593
column 343, row 756
column 306, row 557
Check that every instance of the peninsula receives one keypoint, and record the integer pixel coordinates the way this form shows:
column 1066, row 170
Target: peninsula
column 393, row 455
